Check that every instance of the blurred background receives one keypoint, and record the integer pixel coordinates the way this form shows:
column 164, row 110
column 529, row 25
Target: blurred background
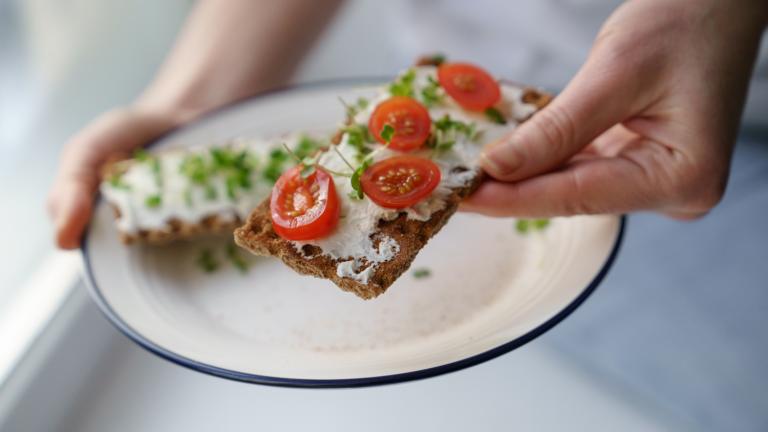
column 675, row 339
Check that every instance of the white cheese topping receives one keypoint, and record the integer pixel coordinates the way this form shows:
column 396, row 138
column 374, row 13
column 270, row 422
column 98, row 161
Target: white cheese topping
column 353, row 242
column 354, row 268
column 178, row 197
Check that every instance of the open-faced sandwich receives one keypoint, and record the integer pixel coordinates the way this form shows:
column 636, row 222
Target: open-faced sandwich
column 182, row 193
column 359, row 212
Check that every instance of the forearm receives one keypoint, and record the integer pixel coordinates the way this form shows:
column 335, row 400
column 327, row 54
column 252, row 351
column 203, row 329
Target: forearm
column 230, row 49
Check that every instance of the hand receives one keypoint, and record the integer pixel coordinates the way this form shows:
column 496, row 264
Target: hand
column 119, row 132
column 209, row 67
column 648, row 123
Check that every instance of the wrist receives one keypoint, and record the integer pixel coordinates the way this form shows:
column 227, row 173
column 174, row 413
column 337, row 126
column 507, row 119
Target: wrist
column 174, row 110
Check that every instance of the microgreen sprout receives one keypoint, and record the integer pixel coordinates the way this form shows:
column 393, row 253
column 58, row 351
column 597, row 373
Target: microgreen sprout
column 234, row 256
column 403, row 85
column 153, row 201
column 495, row 115
column 117, row 182
column 352, row 109
column 274, row 166
column 357, row 188
column 524, row 226
column 235, row 166
column 207, row 261
column 387, row 132
column 308, row 163
column 141, row 155
column 431, row 93
column 445, row 131
column 422, row 273
column 358, row 136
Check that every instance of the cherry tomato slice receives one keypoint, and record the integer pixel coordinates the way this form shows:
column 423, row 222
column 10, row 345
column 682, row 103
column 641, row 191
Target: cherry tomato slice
column 409, row 119
column 470, row 86
column 400, row 181
column 304, row 208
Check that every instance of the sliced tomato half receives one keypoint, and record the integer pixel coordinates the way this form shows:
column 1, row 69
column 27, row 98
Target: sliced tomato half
column 409, row 119
column 304, row 208
column 400, row 181
column 470, row 86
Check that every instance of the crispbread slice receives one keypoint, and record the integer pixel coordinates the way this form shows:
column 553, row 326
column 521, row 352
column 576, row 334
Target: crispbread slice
column 257, row 236
column 173, row 229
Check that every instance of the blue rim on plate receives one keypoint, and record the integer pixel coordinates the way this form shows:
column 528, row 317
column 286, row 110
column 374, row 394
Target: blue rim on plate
column 476, row 359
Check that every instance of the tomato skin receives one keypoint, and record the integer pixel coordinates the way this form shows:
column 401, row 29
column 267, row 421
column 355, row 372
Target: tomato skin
column 400, row 181
column 409, row 118
column 312, row 200
column 470, row 86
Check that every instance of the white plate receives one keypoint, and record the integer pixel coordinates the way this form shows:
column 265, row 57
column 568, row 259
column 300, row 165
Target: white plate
column 491, row 289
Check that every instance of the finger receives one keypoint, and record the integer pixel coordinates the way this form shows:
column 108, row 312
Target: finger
column 69, row 201
column 74, row 212
column 602, row 94
column 592, row 186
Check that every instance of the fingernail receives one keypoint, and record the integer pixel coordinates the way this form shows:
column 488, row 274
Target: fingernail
column 59, row 225
column 501, row 159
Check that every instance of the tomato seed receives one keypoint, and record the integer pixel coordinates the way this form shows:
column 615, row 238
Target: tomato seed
column 465, row 82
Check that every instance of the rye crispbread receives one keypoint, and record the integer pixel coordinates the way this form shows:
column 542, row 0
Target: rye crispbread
column 257, row 236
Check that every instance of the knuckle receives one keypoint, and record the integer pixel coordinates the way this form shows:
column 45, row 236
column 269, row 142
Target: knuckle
column 612, row 43
column 557, row 128
column 578, row 203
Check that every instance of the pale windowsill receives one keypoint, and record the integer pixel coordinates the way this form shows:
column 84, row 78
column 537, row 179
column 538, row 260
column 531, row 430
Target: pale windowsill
column 28, row 313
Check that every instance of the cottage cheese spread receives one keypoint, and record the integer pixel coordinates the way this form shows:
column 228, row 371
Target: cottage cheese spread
column 176, row 196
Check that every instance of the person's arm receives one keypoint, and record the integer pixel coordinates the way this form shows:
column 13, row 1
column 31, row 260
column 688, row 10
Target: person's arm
column 648, row 123
column 228, row 50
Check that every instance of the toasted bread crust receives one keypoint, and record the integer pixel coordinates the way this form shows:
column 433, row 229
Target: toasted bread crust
column 175, row 229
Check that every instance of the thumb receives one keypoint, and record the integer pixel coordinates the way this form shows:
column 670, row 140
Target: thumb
column 603, row 93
